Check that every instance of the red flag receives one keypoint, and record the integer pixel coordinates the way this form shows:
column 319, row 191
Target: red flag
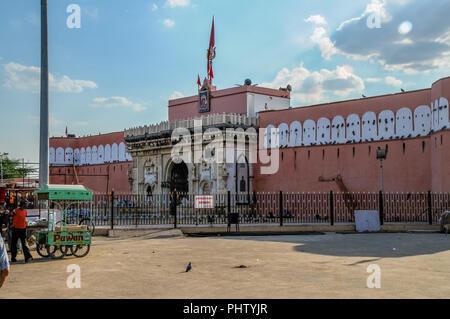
column 212, row 39
column 199, row 83
column 211, row 50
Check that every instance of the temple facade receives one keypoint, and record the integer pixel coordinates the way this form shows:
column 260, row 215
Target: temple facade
column 320, row 148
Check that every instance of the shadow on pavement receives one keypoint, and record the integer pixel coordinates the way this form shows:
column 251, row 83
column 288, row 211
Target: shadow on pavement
column 372, row 246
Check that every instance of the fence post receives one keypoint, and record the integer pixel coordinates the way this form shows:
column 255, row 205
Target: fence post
column 112, row 210
column 331, row 208
column 173, row 208
column 381, row 203
column 430, row 209
column 281, row 209
column 229, row 203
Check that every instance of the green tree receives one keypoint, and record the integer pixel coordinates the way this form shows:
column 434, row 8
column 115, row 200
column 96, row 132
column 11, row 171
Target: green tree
column 13, row 169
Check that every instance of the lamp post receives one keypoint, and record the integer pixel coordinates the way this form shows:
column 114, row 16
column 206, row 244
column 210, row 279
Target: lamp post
column 1, row 166
column 381, row 155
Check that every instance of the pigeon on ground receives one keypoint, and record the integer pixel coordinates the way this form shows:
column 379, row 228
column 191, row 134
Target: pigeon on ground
column 189, row 267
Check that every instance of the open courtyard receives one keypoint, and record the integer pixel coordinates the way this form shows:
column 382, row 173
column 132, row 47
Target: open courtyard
column 152, row 263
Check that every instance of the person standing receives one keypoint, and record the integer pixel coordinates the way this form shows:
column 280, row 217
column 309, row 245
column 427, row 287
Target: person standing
column 20, row 232
column 4, row 263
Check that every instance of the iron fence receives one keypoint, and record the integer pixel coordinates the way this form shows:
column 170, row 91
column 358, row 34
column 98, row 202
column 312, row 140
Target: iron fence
column 266, row 208
column 280, row 208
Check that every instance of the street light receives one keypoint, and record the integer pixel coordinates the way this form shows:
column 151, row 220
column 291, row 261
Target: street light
column 1, row 166
column 381, row 155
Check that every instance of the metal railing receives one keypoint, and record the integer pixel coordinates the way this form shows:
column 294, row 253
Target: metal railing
column 264, row 208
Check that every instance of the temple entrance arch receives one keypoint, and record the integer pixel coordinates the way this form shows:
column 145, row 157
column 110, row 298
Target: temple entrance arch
column 177, row 177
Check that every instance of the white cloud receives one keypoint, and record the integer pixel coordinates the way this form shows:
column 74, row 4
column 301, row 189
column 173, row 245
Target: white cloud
column 372, row 80
column 421, row 47
column 177, row 3
column 27, row 78
column 154, row 7
column 169, row 23
column 393, row 81
column 317, row 19
column 318, row 86
column 116, row 101
column 176, row 95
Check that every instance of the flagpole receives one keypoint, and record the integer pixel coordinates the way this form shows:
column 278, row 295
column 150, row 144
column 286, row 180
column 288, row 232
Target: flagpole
column 44, row 110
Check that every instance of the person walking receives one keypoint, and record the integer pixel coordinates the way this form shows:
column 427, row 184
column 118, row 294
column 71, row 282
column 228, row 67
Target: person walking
column 20, row 232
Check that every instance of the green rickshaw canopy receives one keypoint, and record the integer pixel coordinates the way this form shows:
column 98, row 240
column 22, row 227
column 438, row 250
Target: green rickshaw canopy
column 64, row 192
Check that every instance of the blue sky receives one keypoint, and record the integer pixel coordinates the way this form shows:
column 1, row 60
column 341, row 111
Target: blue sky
column 129, row 57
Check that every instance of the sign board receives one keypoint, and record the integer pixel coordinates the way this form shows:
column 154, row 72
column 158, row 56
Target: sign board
column 367, row 221
column 204, row 102
column 204, row 202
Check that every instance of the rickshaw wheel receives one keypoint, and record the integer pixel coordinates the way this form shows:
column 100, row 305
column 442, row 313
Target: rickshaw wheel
column 42, row 250
column 69, row 251
column 57, row 252
column 80, row 250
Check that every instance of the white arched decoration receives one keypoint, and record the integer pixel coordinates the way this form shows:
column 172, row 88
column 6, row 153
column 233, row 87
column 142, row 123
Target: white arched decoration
column 107, row 153
column 309, row 132
column 386, row 125
column 283, row 135
column 122, row 152
column 82, row 156
column 129, row 157
column 94, row 155
column 403, row 123
column 51, row 153
column 422, row 120
column 353, row 128
column 68, row 156
column 88, row 155
column 323, row 131
column 271, row 136
column 114, row 153
column 76, row 157
column 59, row 158
column 435, row 114
column 443, row 113
column 338, row 130
column 295, row 134
column 101, row 154
column 369, row 127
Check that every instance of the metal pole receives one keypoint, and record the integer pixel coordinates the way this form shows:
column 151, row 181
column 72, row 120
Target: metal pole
column 430, row 209
column 331, row 208
column 23, row 173
column 381, row 207
column 381, row 175
column 1, row 166
column 112, row 210
column 281, row 208
column 44, row 119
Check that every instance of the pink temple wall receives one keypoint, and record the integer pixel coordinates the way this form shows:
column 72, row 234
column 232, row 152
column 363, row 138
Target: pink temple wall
column 413, row 165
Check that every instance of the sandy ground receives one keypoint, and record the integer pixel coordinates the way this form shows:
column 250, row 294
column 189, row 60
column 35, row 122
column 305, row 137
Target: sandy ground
column 152, row 265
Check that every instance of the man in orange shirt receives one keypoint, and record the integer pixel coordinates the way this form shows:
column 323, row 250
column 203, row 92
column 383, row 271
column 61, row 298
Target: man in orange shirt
column 20, row 232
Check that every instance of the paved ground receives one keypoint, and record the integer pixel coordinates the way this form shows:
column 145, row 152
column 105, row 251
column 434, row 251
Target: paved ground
column 151, row 265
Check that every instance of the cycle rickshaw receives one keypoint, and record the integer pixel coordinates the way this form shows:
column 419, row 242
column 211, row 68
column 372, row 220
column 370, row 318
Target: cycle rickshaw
column 63, row 239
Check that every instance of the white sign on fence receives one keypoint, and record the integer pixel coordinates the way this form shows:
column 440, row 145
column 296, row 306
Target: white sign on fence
column 204, row 202
column 367, row 220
